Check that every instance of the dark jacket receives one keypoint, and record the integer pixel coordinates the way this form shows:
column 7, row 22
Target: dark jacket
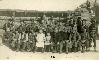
column 66, row 35
column 32, row 37
column 56, row 37
column 21, row 28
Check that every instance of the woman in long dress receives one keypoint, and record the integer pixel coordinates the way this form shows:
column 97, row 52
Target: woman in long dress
column 40, row 40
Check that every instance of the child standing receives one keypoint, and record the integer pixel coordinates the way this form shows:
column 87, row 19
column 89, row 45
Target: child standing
column 47, row 42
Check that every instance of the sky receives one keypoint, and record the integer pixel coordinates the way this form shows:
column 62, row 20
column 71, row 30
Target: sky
column 41, row 5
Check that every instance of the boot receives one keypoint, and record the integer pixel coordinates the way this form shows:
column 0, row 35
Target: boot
column 66, row 52
column 95, row 49
column 49, row 49
column 83, row 50
column 86, row 49
column 42, row 50
column 69, row 50
column 17, row 50
column 55, row 49
column 28, row 50
column 35, row 48
column 22, row 50
column 60, row 52
column 74, row 49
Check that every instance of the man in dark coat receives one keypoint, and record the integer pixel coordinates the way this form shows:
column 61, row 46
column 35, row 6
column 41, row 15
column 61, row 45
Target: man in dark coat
column 74, row 38
column 66, row 40
column 55, row 39
column 60, row 39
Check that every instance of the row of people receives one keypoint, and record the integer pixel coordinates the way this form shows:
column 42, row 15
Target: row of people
column 55, row 36
column 54, row 42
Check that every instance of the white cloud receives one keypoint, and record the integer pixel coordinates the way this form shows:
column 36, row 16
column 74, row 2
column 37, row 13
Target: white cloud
column 53, row 5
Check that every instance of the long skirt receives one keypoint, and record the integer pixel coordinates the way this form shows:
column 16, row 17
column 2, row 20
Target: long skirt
column 40, row 44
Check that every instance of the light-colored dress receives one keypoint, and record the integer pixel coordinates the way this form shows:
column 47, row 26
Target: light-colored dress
column 47, row 42
column 40, row 40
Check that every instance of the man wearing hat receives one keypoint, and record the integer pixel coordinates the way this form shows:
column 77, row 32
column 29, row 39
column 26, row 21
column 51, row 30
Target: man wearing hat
column 55, row 39
column 60, row 39
column 66, row 40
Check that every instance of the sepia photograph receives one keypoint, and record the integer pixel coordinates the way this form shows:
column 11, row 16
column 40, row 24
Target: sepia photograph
column 49, row 29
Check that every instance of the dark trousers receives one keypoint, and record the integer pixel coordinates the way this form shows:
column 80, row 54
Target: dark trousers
column 83, row 47
column 94, row 40
column 18, row 45
column 54, row 47
column 87, row 44
column 25, row 45
column 66, row 43
column 14, row 43
column 31, row 46
column 47, row 48
column 74, row 46
column 79, row 46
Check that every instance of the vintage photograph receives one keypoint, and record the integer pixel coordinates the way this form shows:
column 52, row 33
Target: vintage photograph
column 49, row 29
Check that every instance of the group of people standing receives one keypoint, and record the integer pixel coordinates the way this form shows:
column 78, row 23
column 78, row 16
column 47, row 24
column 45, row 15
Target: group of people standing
column 50, row 36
